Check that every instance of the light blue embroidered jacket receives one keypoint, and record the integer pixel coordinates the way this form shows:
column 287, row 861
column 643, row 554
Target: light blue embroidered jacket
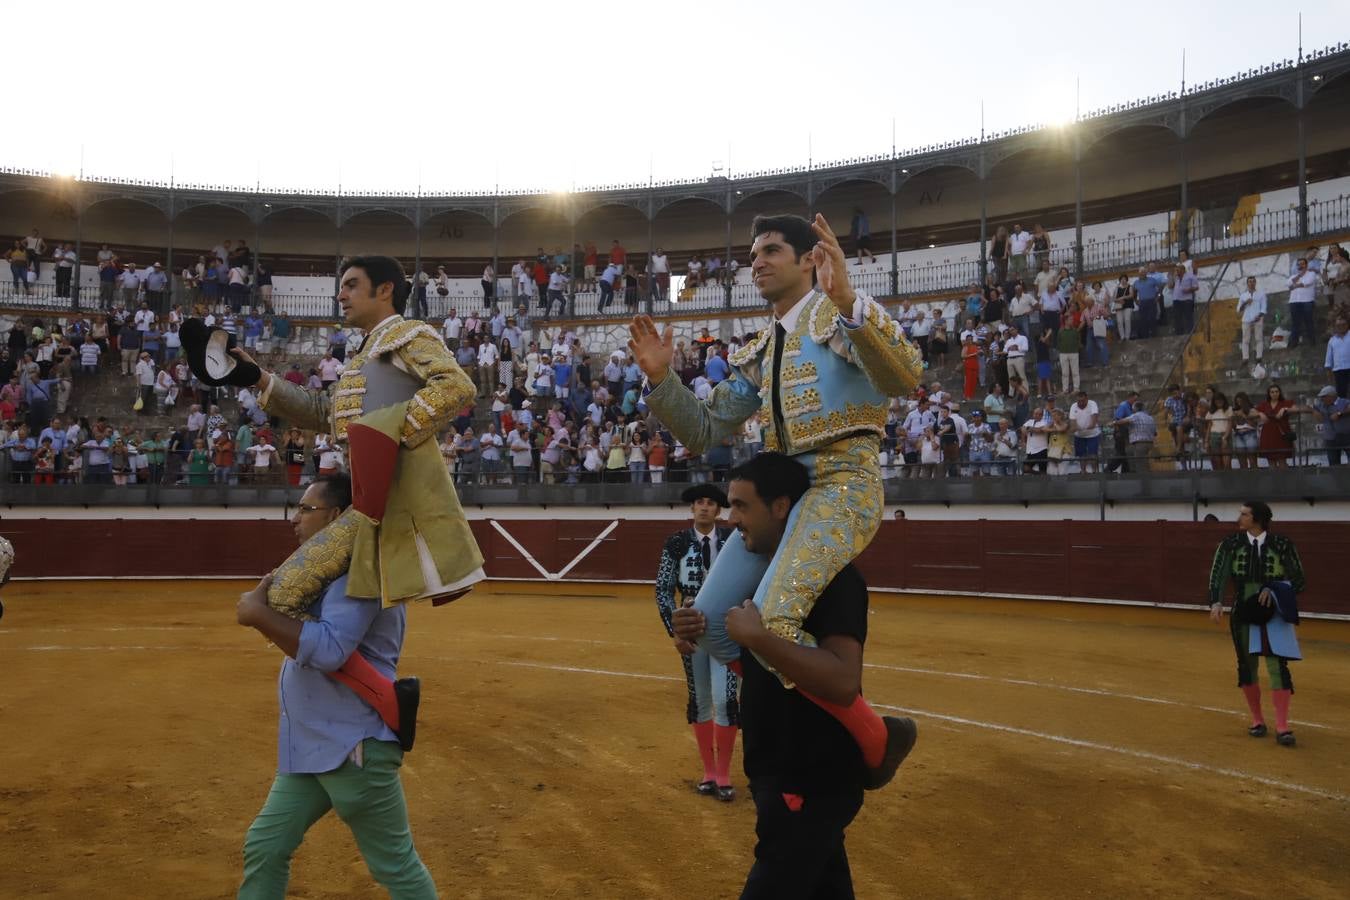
column 836, row 379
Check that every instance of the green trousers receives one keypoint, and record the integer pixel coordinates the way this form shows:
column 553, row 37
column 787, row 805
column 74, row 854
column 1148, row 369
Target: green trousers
column 369, row 798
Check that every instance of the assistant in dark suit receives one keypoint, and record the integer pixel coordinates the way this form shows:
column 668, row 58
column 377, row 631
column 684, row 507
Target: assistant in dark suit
column 712, row 688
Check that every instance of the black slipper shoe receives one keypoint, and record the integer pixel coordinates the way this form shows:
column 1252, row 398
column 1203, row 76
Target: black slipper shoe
column 726, row 793
column 208, row 355
column 408, row 692
column 901, row 733
column 1257, row 730
column 1285, row 739
column 706, row 788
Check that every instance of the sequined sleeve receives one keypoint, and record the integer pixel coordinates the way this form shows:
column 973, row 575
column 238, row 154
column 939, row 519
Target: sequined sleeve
column 701, row 425
column 879, row 347
column 666, row 577
column 301, row 407
column 445, row 392
column 1293, row 566
column 1220, row 570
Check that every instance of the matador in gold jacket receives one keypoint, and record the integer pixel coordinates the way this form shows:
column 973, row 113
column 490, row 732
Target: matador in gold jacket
column 405, row 536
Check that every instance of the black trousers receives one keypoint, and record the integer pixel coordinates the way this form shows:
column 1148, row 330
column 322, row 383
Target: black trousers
column 63, row 281
column 800, row 854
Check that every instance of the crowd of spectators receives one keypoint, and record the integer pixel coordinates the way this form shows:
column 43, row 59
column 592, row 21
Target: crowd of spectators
column 549, row 410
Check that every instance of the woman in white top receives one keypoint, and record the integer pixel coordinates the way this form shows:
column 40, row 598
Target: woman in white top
column 500, row 403
column 1219, row 432
column 487, row 368
column 930, row 453
column 637, row 455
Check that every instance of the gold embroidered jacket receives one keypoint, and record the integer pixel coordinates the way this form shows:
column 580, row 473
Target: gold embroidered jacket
column 422, row 546
column 836, row 379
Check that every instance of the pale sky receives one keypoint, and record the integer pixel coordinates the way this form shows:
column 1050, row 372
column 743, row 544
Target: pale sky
column 463, row 96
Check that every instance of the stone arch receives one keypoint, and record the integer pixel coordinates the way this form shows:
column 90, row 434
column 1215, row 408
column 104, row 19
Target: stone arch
column 689, row 224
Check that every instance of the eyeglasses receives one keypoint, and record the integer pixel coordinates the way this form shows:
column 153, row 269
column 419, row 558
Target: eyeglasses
column 305, row 507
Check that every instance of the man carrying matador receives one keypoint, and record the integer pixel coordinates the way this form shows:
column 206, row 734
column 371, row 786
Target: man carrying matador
column 824, row 372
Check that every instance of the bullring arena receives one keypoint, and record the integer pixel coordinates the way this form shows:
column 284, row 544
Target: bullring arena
column 1066, row 749
column 1041, row 612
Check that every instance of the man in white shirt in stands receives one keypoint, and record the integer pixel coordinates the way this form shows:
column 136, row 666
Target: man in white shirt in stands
column 64, row 257
column 1019, row 308
column 658, row 270
column 262, row 460
column 1252, row 308
column 1018, row 244
column 452, row 328
column 130, row 283
column 1087, row 432
column 1302, row 292
column 145, row 317
column 1016, row 346
column 329, row 368
column 521, row 457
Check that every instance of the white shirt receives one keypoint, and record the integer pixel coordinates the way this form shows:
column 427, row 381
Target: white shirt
column 145, row 372
column 1016, row 347
column 1303, row 288
column 1020, row 305
column 1082, row 417
column 143, row 319
column 487, row 354
column 1018, row 242
column 329, row 369
column 262, row 454
column 520, row 450
column 659, row 265
column 712, row 542
column 453, row 326
column 1253, row 305
column 490, row 446
column 65, row 258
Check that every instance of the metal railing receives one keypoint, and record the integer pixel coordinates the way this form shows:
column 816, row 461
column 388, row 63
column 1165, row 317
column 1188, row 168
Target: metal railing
column 1191, row 485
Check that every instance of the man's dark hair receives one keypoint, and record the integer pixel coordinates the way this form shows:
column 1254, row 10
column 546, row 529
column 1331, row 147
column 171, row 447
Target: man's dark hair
column 383, row 270
column 794, row 229
column 774, row 475
column 336, row 490
column 1261, row 513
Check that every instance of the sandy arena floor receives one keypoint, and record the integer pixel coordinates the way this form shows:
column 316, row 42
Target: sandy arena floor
column 1065, row 751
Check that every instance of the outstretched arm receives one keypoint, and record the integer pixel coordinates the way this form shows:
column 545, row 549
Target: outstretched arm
column 698, row 424
column 878, row 344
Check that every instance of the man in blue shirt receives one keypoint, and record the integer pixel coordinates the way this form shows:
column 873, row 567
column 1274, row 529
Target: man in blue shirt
column 333, row 749
column 1183, row 300
column 1147, row 290
column 607, row 279
column 716, row 367
column 1120, row 434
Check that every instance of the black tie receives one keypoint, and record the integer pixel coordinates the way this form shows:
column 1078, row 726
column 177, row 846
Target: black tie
column 779, row 336
column 707, row 554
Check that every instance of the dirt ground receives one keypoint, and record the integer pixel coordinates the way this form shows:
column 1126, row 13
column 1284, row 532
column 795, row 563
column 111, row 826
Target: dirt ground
column 1064, row 751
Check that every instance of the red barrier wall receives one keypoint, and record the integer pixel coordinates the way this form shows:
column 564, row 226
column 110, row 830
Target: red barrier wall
column 1164, row 562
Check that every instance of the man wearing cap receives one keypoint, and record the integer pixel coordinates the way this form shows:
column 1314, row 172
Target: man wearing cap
column 156, row 284
column 1333, row 415
column 712, row 688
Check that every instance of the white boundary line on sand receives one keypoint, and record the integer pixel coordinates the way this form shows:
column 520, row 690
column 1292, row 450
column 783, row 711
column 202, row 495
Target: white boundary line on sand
column 1124, row 751
column 941, row 717
column 1098, row 692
